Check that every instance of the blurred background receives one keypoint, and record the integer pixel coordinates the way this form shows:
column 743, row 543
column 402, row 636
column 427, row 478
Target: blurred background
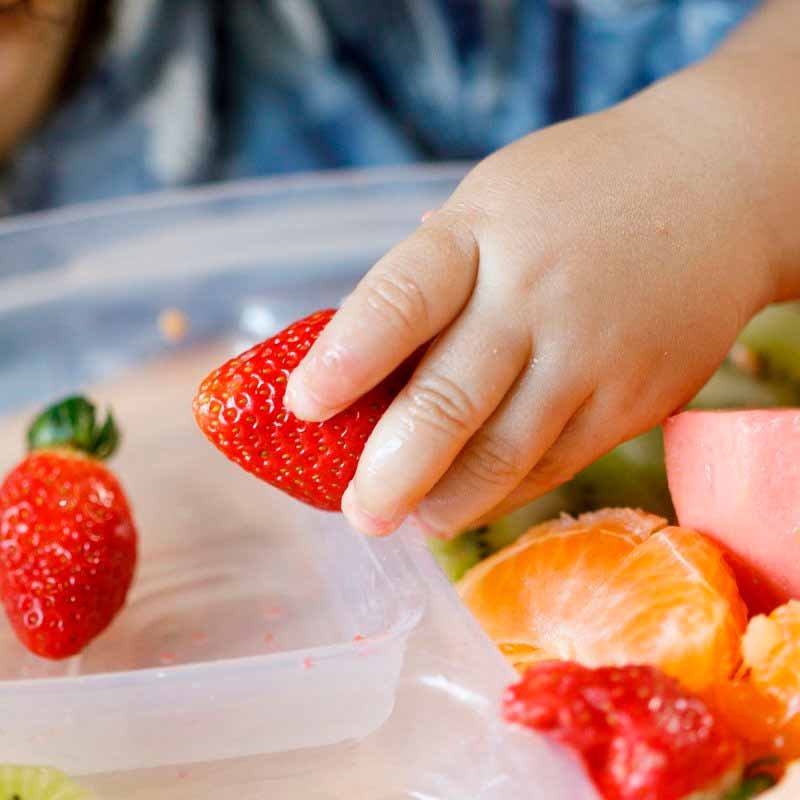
column 103, row 98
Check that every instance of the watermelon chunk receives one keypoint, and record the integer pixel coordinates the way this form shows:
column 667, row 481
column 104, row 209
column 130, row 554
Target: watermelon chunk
column 735, row 476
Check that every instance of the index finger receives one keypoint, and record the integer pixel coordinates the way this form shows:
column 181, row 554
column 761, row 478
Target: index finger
column 407, row 298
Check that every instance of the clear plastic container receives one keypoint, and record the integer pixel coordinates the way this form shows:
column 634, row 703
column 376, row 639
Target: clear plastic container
column 266, row 649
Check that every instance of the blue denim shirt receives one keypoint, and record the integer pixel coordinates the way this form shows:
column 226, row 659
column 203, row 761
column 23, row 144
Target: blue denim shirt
column 191, row 91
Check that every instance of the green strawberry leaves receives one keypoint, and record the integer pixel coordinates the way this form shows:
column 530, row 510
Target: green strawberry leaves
column 72, row 422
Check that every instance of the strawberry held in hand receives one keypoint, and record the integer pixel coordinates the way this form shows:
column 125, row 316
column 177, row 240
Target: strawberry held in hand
column 67, row 540
column 640, row 735
column 239, row 407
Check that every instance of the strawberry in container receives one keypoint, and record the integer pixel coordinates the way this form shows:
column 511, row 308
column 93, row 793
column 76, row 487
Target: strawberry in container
column 67, row 536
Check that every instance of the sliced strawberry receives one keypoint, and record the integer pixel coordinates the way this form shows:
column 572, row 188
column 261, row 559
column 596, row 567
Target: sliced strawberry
column 640, row 735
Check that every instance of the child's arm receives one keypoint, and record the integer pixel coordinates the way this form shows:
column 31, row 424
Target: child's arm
column 755, row 79
column 581, row 284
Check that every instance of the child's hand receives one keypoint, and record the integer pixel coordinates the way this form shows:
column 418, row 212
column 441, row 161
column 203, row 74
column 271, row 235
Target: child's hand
column 579, row 286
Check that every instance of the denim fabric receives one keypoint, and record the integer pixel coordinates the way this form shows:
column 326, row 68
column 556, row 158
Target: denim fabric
column 197, row 90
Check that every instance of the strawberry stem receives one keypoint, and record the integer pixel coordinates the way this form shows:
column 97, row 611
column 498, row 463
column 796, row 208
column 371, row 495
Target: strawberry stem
column 72, row 422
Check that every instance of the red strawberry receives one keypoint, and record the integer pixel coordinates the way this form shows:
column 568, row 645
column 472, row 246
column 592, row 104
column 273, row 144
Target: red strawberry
column 67, row 541
column 640, row 735
column 239, row 407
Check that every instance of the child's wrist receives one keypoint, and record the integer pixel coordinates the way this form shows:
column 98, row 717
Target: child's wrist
column 747, row 137
column 761, row 117
column 700, row 127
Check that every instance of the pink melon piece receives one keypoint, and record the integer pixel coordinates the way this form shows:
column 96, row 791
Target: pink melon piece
column 735, row 476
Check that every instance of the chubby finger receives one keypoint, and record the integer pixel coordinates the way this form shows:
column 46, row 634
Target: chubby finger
column 458, row 385
column 592, row 432
column 406, row 299
column 503, row 452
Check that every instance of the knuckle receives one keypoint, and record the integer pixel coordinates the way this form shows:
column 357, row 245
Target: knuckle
column 398, row 300
column 440, row 403
column 493, row 460
column 448, row 239
column 457, row 234
column 551, row 471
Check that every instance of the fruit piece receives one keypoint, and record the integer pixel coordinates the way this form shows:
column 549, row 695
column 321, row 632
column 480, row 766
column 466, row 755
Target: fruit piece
column 611, row 587
column 734, row 477
column 239, row 407
column 510, row 527
column 638, row 732
column 67, row 540
column 467, row 549
column 632, row 475
column 773, row 338
column 38, row 783
column 763, row 703
column 732, row 388
column 457, row 555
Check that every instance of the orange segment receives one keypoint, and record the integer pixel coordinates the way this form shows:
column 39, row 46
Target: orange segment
column 763, row 703
column 612, row 587
column 771, row 652
column 673, row 602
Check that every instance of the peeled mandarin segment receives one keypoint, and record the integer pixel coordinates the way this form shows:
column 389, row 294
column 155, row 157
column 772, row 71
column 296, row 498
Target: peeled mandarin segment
column 673, row 602
column 767, row 706
column 522, row 656
column 611, row 588
column 623, row 520
column 757, row 718
column 532, row 594
column 776, row 667
column 527, row 595
column 762, row 638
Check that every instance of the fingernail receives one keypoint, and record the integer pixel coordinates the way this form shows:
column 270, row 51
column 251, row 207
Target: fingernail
column 301, row 402
column 427, row 529
column 364, row 521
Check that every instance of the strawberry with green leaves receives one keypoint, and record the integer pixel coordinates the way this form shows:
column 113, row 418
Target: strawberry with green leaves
column 239, row 407
column 67, row 538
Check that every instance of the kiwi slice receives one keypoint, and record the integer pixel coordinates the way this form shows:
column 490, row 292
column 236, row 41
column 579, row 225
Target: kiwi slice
column 632, row 475
column 508, row 529
column 772, row 341
column 457, row 555
column 38, row 783
column 730, row 387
